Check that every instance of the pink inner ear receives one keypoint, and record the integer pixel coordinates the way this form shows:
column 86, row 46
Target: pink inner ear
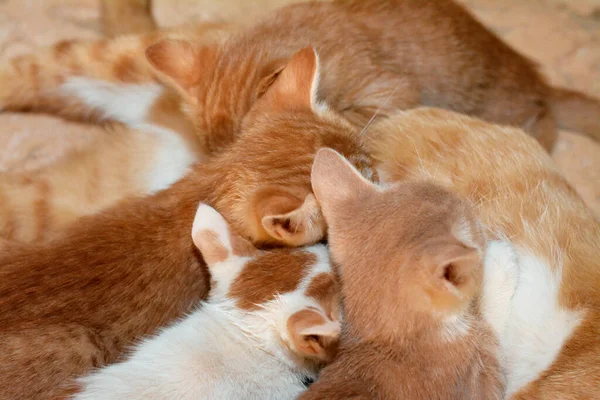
column 212, row 249
column 293, row 87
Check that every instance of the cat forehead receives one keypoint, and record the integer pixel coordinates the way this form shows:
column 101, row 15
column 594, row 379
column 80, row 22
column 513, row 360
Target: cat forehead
column 274, row 274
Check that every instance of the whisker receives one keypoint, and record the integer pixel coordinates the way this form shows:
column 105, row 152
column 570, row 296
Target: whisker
column 378, row 110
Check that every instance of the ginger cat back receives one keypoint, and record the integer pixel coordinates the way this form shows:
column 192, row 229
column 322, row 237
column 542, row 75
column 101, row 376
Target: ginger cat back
column 403, row 54
column 410, row 262
column 549, row 336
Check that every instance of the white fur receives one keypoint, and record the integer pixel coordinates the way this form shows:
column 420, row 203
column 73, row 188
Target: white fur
column 520, row 301
column 126, row 103
column 205, row 356
column 219, row 351
column 131, row 104
column 172, row 160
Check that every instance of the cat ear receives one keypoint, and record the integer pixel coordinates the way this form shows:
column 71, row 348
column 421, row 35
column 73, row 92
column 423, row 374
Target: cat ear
column 181, row 62
column 301, row 226
column 455, row 270
column 213, row 236
column 335, row 181
column 313, row 335
column 295, row 87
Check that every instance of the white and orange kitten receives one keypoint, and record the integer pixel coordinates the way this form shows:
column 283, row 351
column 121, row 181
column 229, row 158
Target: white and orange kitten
column 271, row 319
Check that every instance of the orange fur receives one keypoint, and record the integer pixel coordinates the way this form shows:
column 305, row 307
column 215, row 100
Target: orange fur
column 126, row 17
column 411, row 53
column 518, row 193
column 127, row 271
column 411, row 271
column 38, row 205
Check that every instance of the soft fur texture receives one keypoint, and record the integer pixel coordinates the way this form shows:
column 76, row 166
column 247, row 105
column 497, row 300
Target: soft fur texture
column 132, row 268
column 411, row 53
column 550, row 335
column 38, row 205
column 272, row 196
column 230, row 348
column 202, row 83
column 410, row 264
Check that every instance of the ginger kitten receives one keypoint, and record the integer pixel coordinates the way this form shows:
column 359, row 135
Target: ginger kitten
column 377, row 56
column 549, row 334
column 270, row 321
column 410, row 262
column 132, row 268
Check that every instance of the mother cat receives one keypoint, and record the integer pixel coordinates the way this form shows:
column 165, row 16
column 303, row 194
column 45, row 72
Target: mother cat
column 379, row 56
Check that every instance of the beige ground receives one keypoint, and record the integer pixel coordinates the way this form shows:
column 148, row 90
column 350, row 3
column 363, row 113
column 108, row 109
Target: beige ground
column 562, row 35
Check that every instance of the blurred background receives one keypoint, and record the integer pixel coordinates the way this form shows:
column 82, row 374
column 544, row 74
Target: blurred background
column 563, row 36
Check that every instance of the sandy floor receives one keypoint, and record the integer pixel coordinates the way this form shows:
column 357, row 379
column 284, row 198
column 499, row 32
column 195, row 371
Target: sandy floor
column 562, row 35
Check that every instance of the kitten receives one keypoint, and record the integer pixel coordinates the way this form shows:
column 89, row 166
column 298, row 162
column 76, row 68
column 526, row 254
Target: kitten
column 131, row 269
column 549, row 335
column 271, row 319
column 402, row 54
column 411, row 270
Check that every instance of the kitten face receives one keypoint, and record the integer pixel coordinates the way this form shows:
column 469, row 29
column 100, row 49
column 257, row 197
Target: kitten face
column 408, row 252
column 287, row 299
column 280, row 134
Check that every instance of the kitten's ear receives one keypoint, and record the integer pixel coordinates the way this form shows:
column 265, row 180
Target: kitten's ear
column 335, row 181
column 295, row 87
column 181, row 62
column 301, row 226
column 454, row 272
column 313, row 335
column 214, row 238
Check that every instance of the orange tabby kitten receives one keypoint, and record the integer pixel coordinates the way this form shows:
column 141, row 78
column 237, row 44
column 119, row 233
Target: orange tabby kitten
column 410, row 264
column 402, row 54
column 550, row 334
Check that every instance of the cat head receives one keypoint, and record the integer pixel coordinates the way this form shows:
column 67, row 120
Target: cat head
column 267, row 187
column 408, row 253
column 286, row 298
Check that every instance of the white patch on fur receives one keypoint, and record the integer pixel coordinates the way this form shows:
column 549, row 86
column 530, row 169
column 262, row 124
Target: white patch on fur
column 130, row 104
column 455, row 327
column 204, row 356
column 172, row 160
column 218, row 352
column 520, row 301
column 209, row 219
column 126, row 103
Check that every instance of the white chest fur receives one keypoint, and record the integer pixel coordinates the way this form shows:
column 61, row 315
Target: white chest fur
column 520, row 301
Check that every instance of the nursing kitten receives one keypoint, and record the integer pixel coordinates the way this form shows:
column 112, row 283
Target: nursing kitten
column 410, row 262
column 131, row 269
column 270, row 321
column 550, row 334
column 403, row 54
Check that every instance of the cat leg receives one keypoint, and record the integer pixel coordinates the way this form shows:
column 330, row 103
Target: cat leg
column 89, row 81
